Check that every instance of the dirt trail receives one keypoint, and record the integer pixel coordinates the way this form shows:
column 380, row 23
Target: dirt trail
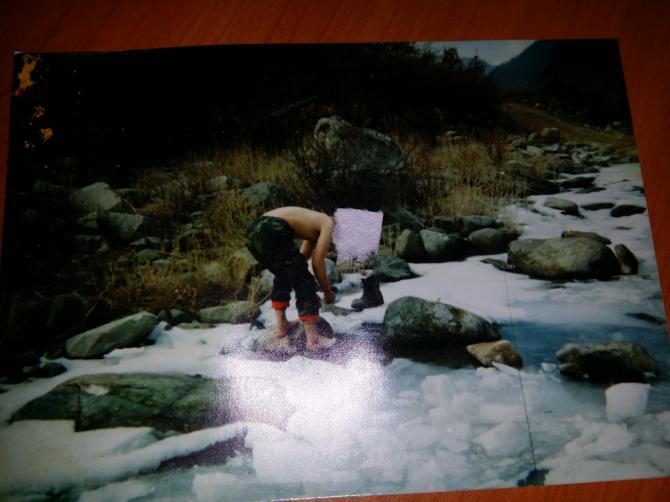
column 535, row 119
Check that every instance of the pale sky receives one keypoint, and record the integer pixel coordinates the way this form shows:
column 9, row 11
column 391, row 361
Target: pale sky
column 492, row 51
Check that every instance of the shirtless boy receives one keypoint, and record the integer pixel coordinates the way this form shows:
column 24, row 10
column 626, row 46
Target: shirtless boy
column 271, row 241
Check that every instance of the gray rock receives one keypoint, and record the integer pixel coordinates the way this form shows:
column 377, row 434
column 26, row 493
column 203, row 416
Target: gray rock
column 550, row 135
column 264, row 195
column 574, row 258
column 66, row 312
column 474, row 222
column 606, row 362
column 448, row 224
column 145, row 256
column 502, row 352
column 129, row 227
column 534, row 151
column 234, row 312
column 89, row 244
column 218, row 183
column 409, row 246
column 626, row 210
column 628, row 261
column 146, row 243
column 89, row 222
column 244, row 265
column 162, row 264
column 165, row 402
column 262, row 283
column 179, row 316
column 442, row 247
column 535, row 185
column 415, row 323
column 565, row 206
column 596, row 206
column 569, row 234
column 43, row 187
column 406, row 219
column 391, row 268
column 134, row 196
column 593, row 189
column 490, row 240
column 96, row 197
column 578, row 182
column 360, row 150
column 124, row 332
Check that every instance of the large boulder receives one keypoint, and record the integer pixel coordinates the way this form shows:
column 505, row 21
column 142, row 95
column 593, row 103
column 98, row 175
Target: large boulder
column 244, row 265
column 490, row 240
column 501, row 351
column 573, row 258
column 597, row 206
column 409, row 246
column 606, row 362
column 124, row 332
column 166, row 402
column 473, row 222
column 391, row 268
column 406, row 219
column 264, row 195
column 626, row 210
column 442, row 247
column 360, row 150
column 129, row 227
column 569, row 234
column 414, row 323
column 565, row 206
column 96, row 197
column 627, row 260
column 233, row 312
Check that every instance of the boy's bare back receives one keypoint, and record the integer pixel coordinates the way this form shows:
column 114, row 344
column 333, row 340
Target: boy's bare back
column 306, row 224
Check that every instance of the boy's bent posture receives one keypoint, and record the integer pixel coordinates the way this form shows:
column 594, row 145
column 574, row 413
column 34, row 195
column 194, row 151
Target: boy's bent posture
column 271, row 241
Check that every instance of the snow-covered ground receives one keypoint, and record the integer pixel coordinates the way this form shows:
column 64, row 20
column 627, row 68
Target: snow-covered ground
column 407, row 427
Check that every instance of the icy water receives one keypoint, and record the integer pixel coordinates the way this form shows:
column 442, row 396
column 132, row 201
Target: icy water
column 366, row 427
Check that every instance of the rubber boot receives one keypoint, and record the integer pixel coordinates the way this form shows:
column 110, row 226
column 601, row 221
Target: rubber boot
column 372, row 296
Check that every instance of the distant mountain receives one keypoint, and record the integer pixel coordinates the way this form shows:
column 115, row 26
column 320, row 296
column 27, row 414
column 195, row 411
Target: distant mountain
column 581, row 77
column 523, row 69
column 488, row 67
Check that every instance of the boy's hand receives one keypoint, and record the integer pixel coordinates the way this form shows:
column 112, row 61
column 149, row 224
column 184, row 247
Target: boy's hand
column 329, row 296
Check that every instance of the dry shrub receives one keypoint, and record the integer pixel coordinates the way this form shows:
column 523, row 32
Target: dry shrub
column 461, row 177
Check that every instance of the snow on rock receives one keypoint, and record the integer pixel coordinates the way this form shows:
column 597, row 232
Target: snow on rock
column 626, row 400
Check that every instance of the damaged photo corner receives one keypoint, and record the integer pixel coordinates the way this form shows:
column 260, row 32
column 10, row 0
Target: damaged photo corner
column 327, row 270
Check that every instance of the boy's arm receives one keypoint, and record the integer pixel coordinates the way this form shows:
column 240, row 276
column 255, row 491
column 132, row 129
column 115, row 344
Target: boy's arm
column 319, row 259
column 306, row 249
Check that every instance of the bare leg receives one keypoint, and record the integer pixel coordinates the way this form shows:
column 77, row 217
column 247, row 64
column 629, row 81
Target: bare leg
column 314, row 340
column 283, row 325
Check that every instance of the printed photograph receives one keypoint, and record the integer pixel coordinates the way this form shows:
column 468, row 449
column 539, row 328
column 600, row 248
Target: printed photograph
column 258, row 272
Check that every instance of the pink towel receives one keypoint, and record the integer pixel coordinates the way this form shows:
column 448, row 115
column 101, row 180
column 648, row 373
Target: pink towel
column 356, row 234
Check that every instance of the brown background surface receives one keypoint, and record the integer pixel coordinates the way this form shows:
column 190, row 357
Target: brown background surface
column 640, row 26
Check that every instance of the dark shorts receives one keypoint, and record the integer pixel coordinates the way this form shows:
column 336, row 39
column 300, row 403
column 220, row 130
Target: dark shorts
column 271, row 241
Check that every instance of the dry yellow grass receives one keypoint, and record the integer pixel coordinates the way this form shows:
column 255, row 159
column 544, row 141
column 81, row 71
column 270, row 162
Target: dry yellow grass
column 461, row 177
